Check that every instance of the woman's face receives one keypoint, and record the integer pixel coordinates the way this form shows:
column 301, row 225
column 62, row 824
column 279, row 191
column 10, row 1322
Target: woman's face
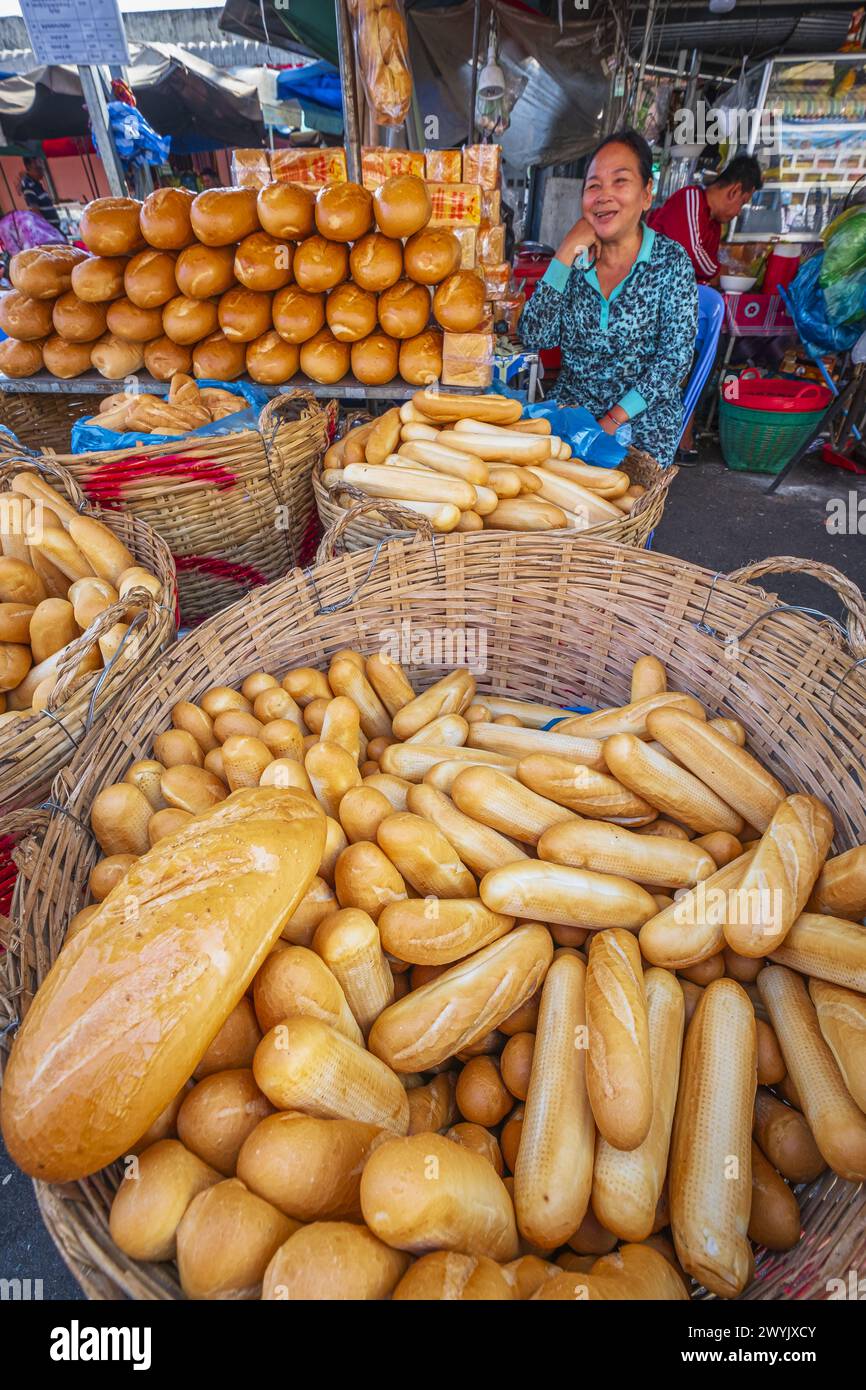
column 614, row 194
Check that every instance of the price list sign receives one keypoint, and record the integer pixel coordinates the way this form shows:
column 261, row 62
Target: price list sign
column 76, row 31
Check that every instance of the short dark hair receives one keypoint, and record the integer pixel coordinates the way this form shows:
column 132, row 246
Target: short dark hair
column 634, row 141
column 33, row 159
column 743, row 169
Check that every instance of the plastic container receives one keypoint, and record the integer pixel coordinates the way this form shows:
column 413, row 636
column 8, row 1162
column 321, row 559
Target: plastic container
column 782, row 267
column 779, row 394
column 763, row 441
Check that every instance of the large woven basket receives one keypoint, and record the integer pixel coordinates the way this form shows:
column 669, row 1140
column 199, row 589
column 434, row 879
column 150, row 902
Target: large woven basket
column 35, row 747
column 558, row 619
column 236, row 509
column 635, row 527
column 44, row 419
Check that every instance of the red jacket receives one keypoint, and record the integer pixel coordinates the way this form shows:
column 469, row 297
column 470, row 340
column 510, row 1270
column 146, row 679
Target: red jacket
column 685, row 218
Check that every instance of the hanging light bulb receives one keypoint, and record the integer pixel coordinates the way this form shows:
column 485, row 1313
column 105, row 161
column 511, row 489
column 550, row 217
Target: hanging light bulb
column 491, row 82
column 722, row 6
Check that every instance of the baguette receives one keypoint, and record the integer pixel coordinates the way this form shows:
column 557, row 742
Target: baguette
column 604, row 482
column 443, row 460
column 442, row 776
column 842, row 1020
column 553, row 1173
column 583, row 790
column 436, row 405
column 451, row 695
column 648, row 677
column 719, row 762
column 394, row 789
column 424, row 857
column 383, row 437
column 631, row 718
column 786, row 1139
column 691, row 929
column 488, row 796
column 618, row 1075
column 711, row 1165
column 589, row 506
column 411, row 415
column 531, row 715
column 107, row 556
column 526, row 514
column 478, row 846
column 465, row 1208
column 781, row 876
column 486, row 501
column 295, row 982
column 306, row 1167
column 349, row 943
column 332, row 771
column 627, row 1184
column 444, row 517
column 611, row 849
column 774, row 1219
column 331, row 1261
column 547, row 892
column 464, row 1003
column 365, row 878
column 441, row 931
column 361, row 810
column 28, row 485
column 411, row 433
column 389, row 681
column 505, row 481
column 496, row 446
column 517, row 743
column 633, row 1272
column 346, row 678
column 837, row 1123
column 840, row 889
column 668, row 787
column 244, row 866
column 415, row 486
column 532, row 426
column 445, row 731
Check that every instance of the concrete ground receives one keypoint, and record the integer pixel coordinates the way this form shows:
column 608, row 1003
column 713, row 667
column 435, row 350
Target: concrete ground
column 715, row 518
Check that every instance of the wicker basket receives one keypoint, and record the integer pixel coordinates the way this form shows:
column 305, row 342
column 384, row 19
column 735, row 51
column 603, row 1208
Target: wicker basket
column 635, row 528
column 234, row 508
column 563, row 620
column 44, row 419
column 35, row 747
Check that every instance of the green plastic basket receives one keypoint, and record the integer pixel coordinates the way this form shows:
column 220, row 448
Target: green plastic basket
column 762, row 441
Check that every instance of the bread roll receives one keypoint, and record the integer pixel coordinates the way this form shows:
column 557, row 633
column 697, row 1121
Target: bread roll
column 446, row 1276
column 350, row 312
column 295, row 982
column 842, row 1020
column 612, row 849
column 786, row 1139
column 263, row 263
column 421, row 358
column 132, row 324
column 20, row 359
column 15, row 662
column 404, row 309
column 627, row 719
column 309, row 1168
column 320, row 264
column 376, row 262
column 164, row 359
column 24, row 318
column 333, row 1261
column 344, row 211
column 618, row 1072
column 187, row 321
column 736, row 775
column 240, row 913
column 204, row 271
column 432, row 255
column 632, row 1272
column 44, row 272
column 297, row 315
column 116, row 358
column 99, row 278
column 226, row 1240
column 286, row 210
column 841, row 886
column 402, row 205
column 271, row 360
column 216, row 1116
column 374, row 359
column 349, row 943
column 152, row 1198
column 324, row 358
column 64, row 359
column 165, row 218
column 110, row 226
column 217, row 359
column 458, row 303
column 149, row 279
column 774, row 1220
column 76, row 320
column 235, row 1044
column 220, row 216
column 244, row 314
column 667, row 786
column 15, row 626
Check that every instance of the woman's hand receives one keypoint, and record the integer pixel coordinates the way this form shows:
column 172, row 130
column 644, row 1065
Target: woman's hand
column 580, row 238
column 612, row 419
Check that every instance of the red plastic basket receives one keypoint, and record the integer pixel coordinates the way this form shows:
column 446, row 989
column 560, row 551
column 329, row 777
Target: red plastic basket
column 775, row 393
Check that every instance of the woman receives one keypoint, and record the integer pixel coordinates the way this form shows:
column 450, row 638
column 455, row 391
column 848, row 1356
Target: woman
column 626, row 323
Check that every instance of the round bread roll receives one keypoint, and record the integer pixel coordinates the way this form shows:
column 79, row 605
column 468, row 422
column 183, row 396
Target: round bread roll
column 126, row 320
column 115, row 357
column 217, row 359
column 163, row 358
column 458, row 303
column 287, row 210
column 99, row 278
column 44, row 272
column 263, row 262
column 402, row 205
column 19, row 359
column 376, row 262
column 375, row 359
column 203, row 271
column 430, row 255
column 324, row 358
column 165, row 218
column 110, row 226
column 220, row 216
column 297, row 315
column 65, row 359
column 76, row 320
column 189, row 320
column 149, row 279
column 350, row 312
column 421, row 358
column 244, row 314
column 320, row 264
column 404, row 309
column 271, row 360
column 25, row 318
column 344, row 211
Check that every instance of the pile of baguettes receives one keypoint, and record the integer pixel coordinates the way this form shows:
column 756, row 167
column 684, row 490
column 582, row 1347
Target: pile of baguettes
column 187, row 407
column 470, row 462
column 355, row 952
column 59, row 570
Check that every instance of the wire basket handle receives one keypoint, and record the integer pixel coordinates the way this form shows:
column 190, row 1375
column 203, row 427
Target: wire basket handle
column 392, row 514
column 67, row 665
column 850, row 594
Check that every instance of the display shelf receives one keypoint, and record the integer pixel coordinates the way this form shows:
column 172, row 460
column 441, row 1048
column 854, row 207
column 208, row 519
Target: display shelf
column 91, row 383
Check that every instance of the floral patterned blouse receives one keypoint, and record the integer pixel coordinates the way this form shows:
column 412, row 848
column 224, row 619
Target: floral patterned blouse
column 632, row 349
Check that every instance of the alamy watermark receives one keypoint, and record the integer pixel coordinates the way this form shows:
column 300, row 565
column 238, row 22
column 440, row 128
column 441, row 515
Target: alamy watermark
column 846, row 516
column 411, row 645
column 735, row 126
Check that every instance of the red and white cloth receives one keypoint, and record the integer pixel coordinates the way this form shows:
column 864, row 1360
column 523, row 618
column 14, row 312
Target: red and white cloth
column 685, row 218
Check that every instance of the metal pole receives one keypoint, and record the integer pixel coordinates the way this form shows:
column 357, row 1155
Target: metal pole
column 346, row 55
column 644, row 54
column 94, row 96
column 473, row 94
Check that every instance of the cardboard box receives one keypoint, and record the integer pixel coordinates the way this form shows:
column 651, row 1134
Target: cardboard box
column 444, row 166
column 379, row 163
column 312, row 168
column 455, row 204
column 482, row 164
column 467, row 359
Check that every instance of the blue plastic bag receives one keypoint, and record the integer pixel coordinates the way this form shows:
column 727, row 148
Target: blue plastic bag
column 577, row 426
column 88, row 437
column 808, row 305
column 135, row 138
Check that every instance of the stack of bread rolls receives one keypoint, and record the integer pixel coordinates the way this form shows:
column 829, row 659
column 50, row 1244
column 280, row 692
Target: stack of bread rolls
column 469, row 463
column 244, row 281
column 473, row 1007
column 187, row 407
column 59, row 570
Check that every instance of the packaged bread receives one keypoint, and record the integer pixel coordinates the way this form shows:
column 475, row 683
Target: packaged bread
column 312, row 168
column 250, row 168
column 491, row 205
column 379, row 163
column 491, row 243
column 110, row 226
column 455, row 204
column 44, row 272
column 482, row 165
column 443, row 166
column 164, row 219
column 496, row 277
column 468, row 239
column 467, row 359
column 383, row 58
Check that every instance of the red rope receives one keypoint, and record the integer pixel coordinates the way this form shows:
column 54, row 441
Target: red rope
column 221, row 569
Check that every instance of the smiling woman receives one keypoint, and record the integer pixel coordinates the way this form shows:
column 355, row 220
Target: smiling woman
column 625, row 318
